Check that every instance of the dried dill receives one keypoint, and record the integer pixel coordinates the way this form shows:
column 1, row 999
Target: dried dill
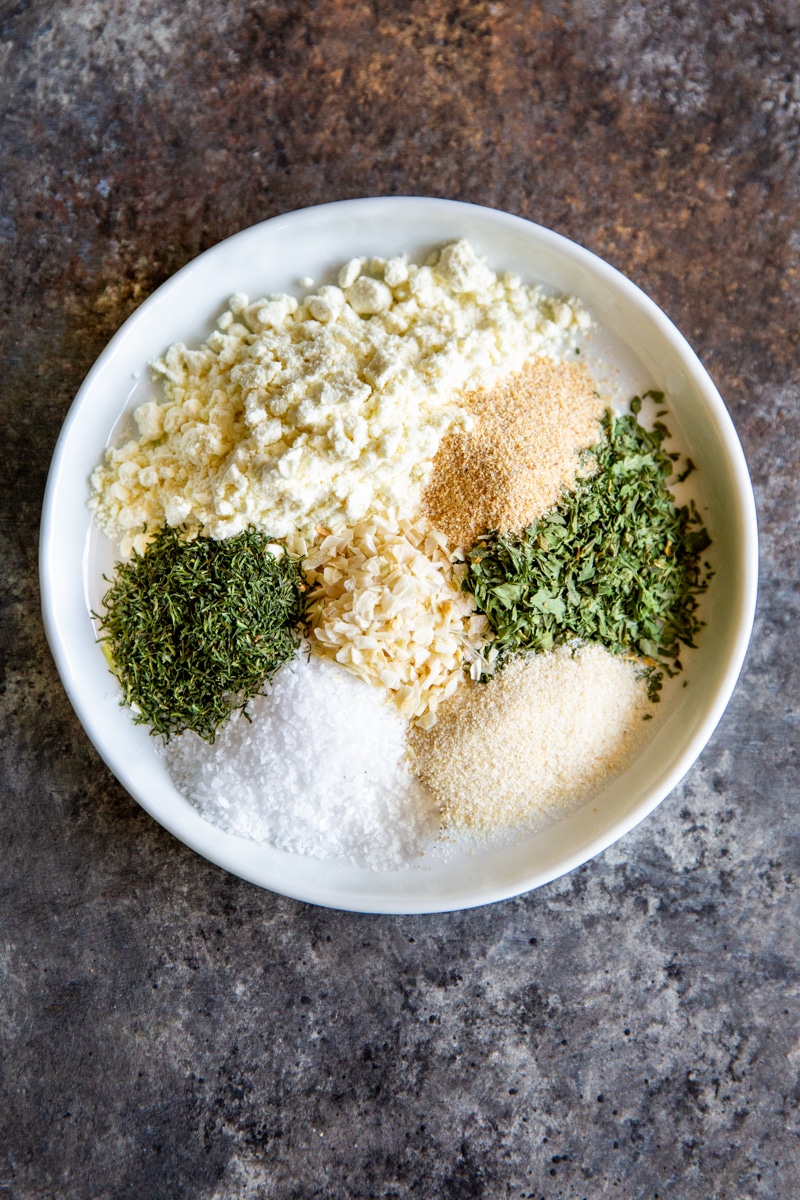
column 196, row 628
column 617, row 562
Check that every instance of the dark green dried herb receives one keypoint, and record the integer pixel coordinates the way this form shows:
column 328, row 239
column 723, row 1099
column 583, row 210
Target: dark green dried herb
column 617, row 562
column 196, row 628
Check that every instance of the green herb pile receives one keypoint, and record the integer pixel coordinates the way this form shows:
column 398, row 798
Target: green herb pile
column 195, row 629
column 617, row 562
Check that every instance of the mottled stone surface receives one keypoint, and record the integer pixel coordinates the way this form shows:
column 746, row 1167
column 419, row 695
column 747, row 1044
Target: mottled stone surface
column 630, row 1030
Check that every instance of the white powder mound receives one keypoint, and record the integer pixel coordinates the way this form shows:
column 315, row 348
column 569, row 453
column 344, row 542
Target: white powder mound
column 319, row 771
column 294, row 414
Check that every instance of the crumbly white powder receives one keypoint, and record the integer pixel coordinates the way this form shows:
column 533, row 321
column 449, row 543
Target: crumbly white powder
column 318, row 771
column 320, row 412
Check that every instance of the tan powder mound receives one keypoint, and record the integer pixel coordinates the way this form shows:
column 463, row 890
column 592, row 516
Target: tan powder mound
column 542, row 735
column 523, row 451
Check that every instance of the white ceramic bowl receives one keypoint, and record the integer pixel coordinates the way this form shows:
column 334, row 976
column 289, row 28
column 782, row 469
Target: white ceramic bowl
column 635, row 346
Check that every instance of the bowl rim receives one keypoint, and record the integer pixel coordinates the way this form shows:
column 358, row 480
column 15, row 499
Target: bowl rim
column 748, row 551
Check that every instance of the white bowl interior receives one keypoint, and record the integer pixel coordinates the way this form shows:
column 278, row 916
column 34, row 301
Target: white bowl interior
column 634, row 347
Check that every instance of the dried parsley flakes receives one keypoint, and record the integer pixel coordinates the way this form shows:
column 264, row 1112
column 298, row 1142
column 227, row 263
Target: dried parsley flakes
column 617, row 562
column 196, row 628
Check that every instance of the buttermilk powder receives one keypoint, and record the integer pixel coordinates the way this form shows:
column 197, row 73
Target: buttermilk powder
column 294, row 414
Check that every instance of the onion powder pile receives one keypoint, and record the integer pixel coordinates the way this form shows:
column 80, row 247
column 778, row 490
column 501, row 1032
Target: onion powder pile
column 318, row 770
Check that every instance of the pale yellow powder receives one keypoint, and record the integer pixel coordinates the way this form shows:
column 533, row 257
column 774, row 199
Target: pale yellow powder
column 545, row 732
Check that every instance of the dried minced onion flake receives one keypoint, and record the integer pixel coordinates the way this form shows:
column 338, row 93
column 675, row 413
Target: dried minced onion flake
column 386, row 604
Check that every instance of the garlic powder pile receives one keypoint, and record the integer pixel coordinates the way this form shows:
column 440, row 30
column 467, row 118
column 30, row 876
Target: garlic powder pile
column 295, row 414
column 542, row 735
column 523, row 451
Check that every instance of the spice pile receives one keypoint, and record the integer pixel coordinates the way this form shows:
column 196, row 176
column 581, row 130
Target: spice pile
column 541, row 735
column 196, row 628
column 523, row 451
column 409, row 475
column 317, row 770
column 386, row 603
column 615, row 562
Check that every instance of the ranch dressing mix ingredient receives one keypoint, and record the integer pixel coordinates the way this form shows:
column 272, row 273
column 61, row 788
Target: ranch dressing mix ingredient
column 297, row 414
column 539, row 737
column 317, row 770
column 523, row 450
column 194, row 628
column 617, row 561
column 409, row 472
column 386, row 603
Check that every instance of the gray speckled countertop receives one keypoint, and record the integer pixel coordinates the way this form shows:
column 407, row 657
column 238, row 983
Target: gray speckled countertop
column 628, row 1031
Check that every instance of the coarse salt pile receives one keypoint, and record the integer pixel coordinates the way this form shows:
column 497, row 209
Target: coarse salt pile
column 295, row 413
column 543, row 734
column 319, row 771
column 386, row 604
